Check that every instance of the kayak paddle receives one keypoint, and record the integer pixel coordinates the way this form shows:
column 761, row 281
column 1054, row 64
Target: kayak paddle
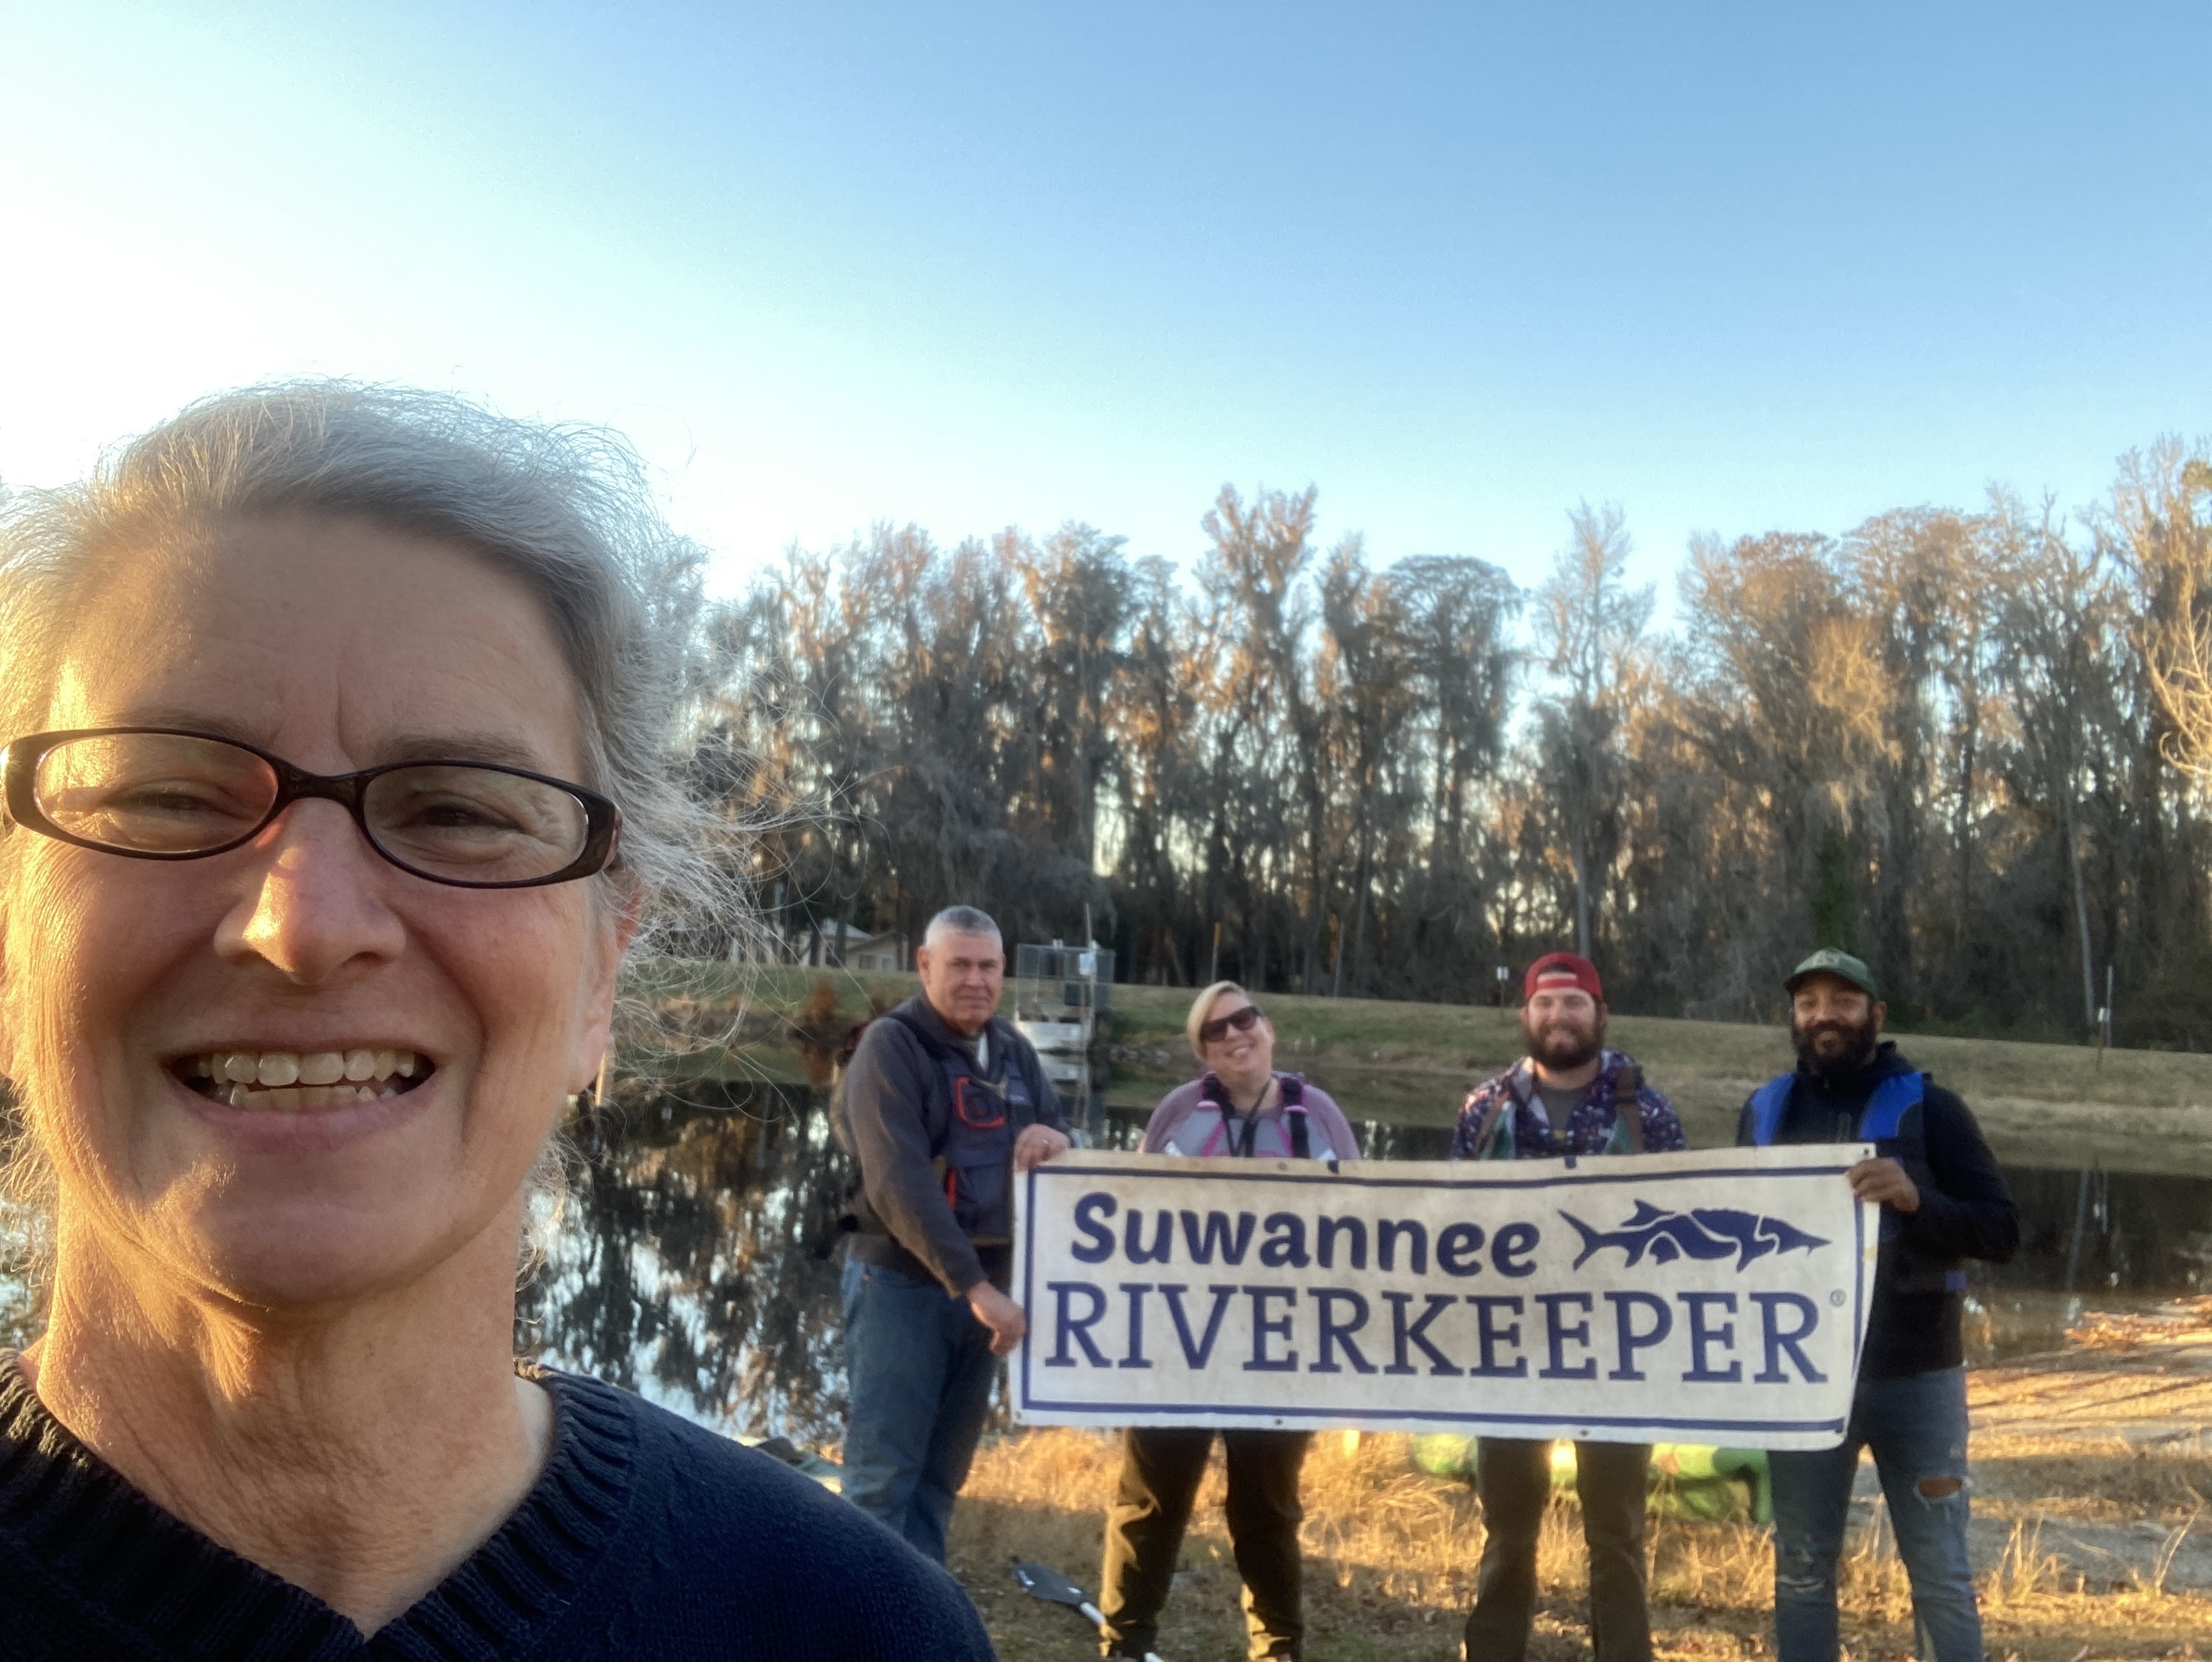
column 1042, row 1581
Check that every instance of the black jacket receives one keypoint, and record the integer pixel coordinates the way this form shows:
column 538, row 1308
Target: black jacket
column 1965, row 1210
column 894, row 1112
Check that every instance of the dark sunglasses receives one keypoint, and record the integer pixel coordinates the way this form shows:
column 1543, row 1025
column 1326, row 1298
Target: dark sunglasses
column 154, row 794
column 1241, row 1021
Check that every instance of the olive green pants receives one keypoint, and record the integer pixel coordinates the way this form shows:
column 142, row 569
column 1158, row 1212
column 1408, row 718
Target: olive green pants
column 1160, row 1469
column 1513, row 1478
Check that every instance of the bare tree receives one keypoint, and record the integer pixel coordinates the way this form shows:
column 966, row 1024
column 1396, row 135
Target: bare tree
column 1367, row 687
column 1593, row 621
column 2058, row 624
column 1944, row 735
column 1080, row 591
column 2161, row 515
column 1262, row 552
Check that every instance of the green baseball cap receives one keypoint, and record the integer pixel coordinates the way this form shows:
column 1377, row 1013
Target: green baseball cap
column 1841, row 965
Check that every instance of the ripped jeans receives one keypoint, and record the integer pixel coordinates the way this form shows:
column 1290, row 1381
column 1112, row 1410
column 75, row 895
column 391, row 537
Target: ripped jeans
column 1916, row 1429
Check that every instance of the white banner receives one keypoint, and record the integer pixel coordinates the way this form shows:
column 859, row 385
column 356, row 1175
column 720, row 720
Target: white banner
column 1696, row 1297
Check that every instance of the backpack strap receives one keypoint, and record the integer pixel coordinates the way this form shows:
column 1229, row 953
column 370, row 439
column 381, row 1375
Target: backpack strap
column 1892, row 1099
column 1212, row 1092
column 1766, row 1105
column 1290, row 1090
column 1292, row 1087
column 1502, row 1103
column 1628, row 1106
column 1489, row 1129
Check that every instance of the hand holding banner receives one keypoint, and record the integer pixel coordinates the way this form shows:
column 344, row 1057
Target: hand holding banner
column 1694, row 1297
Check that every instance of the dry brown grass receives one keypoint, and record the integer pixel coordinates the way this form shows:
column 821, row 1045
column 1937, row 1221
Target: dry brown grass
column 2180, row 1322
column 2106, row 1477
column 1391, row 1554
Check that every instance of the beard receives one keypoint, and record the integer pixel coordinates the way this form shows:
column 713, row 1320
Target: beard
column 1562, row 1045
column 1854, row 1045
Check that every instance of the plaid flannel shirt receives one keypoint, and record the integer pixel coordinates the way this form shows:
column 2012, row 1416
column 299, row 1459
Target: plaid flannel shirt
column 1588, row 1129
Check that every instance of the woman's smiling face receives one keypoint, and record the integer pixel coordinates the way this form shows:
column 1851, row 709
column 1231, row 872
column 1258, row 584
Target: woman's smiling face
column 1245, row 1053
column 458, row 1019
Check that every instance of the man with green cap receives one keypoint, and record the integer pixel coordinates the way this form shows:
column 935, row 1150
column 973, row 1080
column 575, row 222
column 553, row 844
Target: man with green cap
column 1942, row 1201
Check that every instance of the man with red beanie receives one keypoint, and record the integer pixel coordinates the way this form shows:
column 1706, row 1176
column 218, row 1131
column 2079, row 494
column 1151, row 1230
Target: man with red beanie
column 1569, row 1094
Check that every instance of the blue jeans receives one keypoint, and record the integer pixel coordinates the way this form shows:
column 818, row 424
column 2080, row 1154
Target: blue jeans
column 1916, row 1428
column 920, row 1369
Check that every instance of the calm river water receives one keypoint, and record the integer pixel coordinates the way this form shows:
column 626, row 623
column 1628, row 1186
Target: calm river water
column 697, row 1262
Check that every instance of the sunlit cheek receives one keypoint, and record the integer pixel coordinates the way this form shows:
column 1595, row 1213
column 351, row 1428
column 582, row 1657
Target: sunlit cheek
column 546, row 989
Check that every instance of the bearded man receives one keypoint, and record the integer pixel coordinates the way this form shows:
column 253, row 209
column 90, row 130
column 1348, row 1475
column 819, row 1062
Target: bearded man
column 1943, row 1201
column 1568, row 1095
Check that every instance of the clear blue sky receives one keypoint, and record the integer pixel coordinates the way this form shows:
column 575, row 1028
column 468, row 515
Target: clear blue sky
column 1738, row 268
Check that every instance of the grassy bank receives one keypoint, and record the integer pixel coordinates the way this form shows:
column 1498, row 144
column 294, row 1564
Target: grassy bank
column 2041, row 1104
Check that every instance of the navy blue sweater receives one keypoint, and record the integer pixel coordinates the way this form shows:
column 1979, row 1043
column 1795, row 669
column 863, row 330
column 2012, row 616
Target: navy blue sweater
column 646, row 1539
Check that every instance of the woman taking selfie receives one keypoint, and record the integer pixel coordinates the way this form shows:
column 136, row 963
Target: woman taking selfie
column 337, row 789
column 1240, row 1106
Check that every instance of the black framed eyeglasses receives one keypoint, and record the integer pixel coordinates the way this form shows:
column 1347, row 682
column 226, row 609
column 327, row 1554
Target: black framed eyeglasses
column 155, row 793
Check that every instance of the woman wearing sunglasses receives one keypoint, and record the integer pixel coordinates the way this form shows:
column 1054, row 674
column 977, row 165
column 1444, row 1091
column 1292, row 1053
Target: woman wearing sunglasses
column 1240, row 1106
column 338, row 784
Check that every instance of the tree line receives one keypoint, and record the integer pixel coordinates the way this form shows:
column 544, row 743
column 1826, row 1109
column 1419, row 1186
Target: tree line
column 1943, row 740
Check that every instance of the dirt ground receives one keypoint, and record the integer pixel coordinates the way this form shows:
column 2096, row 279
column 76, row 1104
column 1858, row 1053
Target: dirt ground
column 2092, row 1535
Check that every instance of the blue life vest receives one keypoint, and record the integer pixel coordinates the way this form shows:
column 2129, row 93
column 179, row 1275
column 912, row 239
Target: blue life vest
column 1882, row 1122
column 1894, row 1098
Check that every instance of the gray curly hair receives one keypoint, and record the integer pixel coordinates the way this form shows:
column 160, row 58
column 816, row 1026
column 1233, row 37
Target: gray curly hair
column 566, row 511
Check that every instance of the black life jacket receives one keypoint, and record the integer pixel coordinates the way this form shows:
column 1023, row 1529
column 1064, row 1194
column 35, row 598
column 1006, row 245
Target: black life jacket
column 974, row 1157
column 1894, row 1120
column 1293, row 1089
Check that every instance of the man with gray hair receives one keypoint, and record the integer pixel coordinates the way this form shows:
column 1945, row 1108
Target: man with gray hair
column 941, row 1104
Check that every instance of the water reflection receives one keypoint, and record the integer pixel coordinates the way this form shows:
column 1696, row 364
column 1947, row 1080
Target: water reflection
column 696, row 1262
column 2088, row 1240
column 2082, row 1231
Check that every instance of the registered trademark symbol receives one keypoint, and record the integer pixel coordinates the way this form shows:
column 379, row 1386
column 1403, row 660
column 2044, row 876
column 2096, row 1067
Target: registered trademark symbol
column 1836, row 1298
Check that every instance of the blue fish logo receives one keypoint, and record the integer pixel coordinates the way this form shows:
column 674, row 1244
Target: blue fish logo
column 1708, row 1233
